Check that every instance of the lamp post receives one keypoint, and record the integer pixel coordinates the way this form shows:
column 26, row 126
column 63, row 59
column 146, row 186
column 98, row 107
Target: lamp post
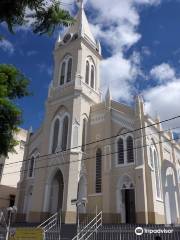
column 10, row 210
column 78, row 203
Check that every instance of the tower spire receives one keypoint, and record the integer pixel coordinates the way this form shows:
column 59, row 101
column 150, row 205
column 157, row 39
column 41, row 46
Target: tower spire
column 81, row 25
column 80, row 3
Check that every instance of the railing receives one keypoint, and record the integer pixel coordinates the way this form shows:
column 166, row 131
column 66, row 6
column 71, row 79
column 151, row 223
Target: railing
column 52, row 227
column 90, row 229
column 127, row 232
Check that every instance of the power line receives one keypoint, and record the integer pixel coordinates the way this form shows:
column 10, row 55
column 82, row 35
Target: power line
column 103, row 139
column 111, row 144
column 93, row 158
column 85, row 159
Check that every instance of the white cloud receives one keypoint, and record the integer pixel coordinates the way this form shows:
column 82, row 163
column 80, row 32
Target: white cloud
column 163, row 72
column 145, row 51
column 118, row 72
column 31, row 53
column 164, row 99
column 43, row 68
column 116, row 25
column 7, row 46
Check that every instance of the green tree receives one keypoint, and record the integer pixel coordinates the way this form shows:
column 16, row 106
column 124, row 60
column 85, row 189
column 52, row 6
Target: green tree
column 45, row 17
column 13, row 86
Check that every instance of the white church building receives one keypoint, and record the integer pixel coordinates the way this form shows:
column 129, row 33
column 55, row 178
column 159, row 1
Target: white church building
column 114, row 156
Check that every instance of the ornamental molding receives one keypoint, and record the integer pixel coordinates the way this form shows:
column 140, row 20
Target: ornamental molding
column 97, row 118
column 122, row 120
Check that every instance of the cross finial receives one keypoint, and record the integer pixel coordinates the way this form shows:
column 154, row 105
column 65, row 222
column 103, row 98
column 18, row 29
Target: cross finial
column 80, row 3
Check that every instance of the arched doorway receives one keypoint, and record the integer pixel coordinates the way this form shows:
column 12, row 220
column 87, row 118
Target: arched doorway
column 82, row 192
column 56, row 193
column 171, row 193
column 126, row 200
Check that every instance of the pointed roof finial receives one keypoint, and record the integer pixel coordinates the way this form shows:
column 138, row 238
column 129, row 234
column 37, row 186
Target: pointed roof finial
column 108, row 94
column 108, row 98
column 80, row 3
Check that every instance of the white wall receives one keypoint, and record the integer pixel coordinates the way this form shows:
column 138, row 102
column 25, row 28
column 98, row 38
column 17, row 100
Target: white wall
column 10, row 164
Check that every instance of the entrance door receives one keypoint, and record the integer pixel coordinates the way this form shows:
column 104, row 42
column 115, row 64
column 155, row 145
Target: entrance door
column 129, row 199
column 56, row 193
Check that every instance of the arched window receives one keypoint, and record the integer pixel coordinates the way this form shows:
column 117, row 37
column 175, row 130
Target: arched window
column 63, row 71
column 151, row 158
column 130, row 149
column 65, row 133
column 84, row 135
column 92, row 76
column 55, row 136
column 87, row 72
column 179, row 175
column 157, row 175
column 120, row 146
column 31, row 167
column 98, row 170
column 69, row 70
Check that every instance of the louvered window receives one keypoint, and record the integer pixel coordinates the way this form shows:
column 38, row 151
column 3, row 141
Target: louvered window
column 55, row 136
column 63, row 70
column 87, row 72
column 130, row 149
column 92, row 76
column 120, row 151
column 65, row 133
column 31, row 167
column 98, row 171
column 69, row 70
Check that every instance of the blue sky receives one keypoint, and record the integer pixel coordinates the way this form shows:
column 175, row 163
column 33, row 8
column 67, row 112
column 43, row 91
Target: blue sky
column 140, row 39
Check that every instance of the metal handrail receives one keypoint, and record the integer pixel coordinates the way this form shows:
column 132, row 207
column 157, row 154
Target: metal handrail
column 41, row 225
column 92, row 220
column 88, row 227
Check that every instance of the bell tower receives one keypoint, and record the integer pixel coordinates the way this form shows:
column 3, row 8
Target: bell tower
column 74, row 89
column 77, row 57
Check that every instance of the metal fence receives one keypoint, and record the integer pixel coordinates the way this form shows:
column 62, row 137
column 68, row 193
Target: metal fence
column 2, row 235
column 145, row 232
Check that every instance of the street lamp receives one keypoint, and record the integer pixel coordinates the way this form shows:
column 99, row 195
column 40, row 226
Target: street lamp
column 78, row 203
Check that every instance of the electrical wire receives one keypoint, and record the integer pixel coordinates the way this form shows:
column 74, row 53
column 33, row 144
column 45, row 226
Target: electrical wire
column 85, row 159
column 103, row 139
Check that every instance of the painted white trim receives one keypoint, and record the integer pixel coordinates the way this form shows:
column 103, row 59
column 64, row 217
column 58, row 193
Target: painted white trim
column 35, row 156
column 61, row 119
column 151, row 161
column 91, row 63
column 119, row 204
column 52, row 132
column 65, row 60
column 66, row 114
column 159, row 174
column 126, row 163
column 52, row 172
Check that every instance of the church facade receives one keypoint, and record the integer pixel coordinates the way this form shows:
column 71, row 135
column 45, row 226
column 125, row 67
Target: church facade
column 114, row 157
